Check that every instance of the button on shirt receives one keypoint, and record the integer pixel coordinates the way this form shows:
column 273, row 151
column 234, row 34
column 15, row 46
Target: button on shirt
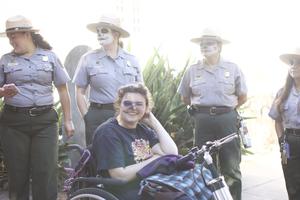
column 219, row 86
column 105, row 75
column 290, row 115
column 34, row 77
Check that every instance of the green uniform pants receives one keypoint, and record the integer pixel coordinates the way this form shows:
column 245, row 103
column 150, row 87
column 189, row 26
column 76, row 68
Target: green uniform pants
column 93, row 118
column 211, row 127
column 31, row 150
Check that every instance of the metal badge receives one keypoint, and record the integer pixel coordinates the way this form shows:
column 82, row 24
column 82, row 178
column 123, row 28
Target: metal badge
column 129, row 63
column 12, row 64
column 227, row 74
column 45, row 58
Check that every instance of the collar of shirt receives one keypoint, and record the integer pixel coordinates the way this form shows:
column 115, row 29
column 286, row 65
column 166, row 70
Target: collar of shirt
column 102, row 53
column 220, row 64
column 38, row 51
column 294, row 91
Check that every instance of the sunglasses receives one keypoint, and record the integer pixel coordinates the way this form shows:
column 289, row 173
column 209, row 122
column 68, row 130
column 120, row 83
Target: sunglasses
column 133, row 103
column 103, row 30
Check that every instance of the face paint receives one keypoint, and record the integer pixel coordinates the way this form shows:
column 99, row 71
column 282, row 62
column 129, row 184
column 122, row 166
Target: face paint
column 294, row 70
column 105, row 36
column 209, row 47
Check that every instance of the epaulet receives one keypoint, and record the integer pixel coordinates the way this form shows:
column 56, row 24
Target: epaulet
column 90, row 52
column 127, row 53
column 197, row 65
column 228, row 62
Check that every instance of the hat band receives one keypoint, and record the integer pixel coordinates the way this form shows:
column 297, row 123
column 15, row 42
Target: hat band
column 18, row 29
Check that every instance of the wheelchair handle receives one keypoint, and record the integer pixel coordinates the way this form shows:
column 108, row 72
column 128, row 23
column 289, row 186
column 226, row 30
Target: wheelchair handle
column 209, row 146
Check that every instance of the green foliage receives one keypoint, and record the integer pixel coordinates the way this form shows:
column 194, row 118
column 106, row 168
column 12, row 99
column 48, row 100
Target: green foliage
column 162, row 82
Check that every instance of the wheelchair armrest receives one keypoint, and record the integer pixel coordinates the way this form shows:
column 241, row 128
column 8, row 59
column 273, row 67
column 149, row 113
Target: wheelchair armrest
column 101, row 180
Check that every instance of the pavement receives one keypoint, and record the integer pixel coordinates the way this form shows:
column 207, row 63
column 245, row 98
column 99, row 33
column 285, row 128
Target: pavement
column 262, row 177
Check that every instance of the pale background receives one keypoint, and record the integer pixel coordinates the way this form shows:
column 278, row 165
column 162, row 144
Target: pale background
column 259, row 31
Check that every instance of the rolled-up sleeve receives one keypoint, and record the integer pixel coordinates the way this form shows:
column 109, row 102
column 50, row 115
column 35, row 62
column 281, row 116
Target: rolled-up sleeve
column 184, row 86
column 240, row 82
column 81, row 78
column 61, row 76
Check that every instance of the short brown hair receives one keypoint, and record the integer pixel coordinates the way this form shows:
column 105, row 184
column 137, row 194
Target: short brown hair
column 133, row 88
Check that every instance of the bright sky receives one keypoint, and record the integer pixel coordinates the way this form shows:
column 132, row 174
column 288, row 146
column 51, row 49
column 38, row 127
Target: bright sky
column 259, row 30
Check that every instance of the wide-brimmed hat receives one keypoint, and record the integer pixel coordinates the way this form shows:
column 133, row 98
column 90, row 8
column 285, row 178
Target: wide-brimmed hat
column 210, row 33
column 18, row 23
column 111, row 22
column 289, row 57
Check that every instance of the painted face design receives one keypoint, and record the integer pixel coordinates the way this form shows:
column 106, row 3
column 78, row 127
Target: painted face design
column 105, row 36
column 209, row 47
column 294, row 69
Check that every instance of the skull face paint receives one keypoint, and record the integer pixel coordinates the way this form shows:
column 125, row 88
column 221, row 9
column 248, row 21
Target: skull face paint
column 294, row 69
column 105, row 36
column 209, row 47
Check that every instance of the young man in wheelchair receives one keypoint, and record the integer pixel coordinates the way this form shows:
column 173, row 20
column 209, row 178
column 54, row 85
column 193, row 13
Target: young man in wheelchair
column 125, row 144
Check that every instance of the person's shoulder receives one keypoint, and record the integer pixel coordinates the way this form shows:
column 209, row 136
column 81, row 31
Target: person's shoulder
column 93, row 52
column 106, row 128
column 229, row 63
column 127, row 54
column 197, row 65
column 6, row 56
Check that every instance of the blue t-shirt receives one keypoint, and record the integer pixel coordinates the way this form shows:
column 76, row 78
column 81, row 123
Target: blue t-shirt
column 115, row 146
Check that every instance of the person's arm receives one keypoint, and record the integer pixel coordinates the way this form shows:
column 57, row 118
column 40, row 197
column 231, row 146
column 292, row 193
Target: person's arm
column 186, row 100
column 66, row 108
column 241, row 100
column 81, row 100
column 166, row 144
column 279, row 128
column 8, row 90
column 128, row 173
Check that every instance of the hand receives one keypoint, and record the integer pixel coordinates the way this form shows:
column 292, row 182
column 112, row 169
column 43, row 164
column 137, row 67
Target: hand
column 9, row 90
column 69, row 128
column 147, row 119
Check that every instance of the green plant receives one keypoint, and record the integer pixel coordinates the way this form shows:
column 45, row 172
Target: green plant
column 163, row 82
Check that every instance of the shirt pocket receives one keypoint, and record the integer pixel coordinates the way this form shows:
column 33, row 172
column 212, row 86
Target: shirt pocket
column 97, row 70
column 14, row 74
column 199, row 87
column 130, row 74
column 227, row 85
column 45, row 73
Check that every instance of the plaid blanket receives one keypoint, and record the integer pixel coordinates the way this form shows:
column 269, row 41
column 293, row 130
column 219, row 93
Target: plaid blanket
column 189, row 181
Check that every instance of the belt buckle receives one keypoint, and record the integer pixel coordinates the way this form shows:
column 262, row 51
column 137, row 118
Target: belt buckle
column 31, row 112
column 213, row 110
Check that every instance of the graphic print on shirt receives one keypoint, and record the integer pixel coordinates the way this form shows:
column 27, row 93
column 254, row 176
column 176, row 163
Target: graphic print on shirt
column 141, row 150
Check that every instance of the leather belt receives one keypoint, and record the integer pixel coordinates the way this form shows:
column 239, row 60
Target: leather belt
column 212, row 110
column 32, row 111
column 292, row 131
column 108, row 106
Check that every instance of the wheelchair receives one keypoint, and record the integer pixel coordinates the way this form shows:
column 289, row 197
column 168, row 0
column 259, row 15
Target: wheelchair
column 82, row 183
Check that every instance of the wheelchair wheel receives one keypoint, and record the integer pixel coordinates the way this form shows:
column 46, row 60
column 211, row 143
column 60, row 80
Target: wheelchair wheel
column 92, row 193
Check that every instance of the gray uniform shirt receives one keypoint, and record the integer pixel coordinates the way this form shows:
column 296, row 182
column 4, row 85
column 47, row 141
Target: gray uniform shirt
column 219, row 86
column 34, row 76
column 290, row 115
column 105, row 75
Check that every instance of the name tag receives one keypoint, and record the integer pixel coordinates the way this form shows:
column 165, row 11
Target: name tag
column 12, row 64
column 45, row 58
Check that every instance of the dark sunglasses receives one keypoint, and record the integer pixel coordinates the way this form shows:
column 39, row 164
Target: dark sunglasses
column 103, row 30
column 133, row 103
